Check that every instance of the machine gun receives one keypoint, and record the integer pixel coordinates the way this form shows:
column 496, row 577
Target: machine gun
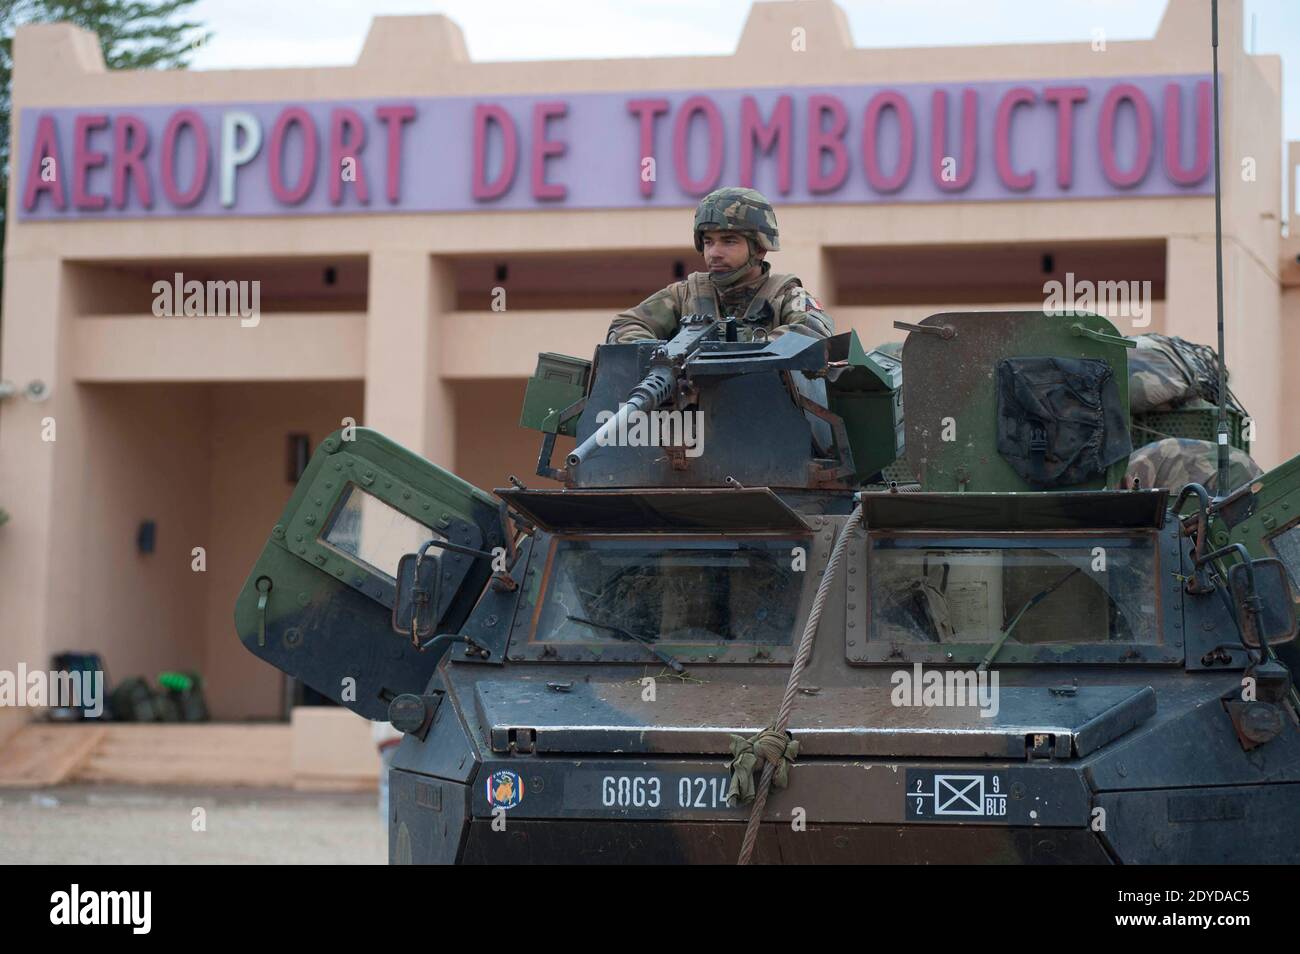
column 667, row 379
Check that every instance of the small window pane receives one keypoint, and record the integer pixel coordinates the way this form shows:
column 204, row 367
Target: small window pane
column 1286, row 545
column 709, row 591
column 931, row 590
column 373, row 533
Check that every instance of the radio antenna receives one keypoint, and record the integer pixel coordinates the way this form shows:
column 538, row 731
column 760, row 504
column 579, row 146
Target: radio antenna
column 1221, row 484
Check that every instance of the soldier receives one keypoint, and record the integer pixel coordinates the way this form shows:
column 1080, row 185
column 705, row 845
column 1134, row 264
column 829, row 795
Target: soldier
column 734, row 230
column 1176, row 461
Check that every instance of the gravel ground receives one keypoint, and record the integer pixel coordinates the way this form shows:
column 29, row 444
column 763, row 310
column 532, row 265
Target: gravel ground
column 110, row 824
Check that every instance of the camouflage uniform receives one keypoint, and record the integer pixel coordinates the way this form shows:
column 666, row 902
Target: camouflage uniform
column 1175, row 461
column 770, row 300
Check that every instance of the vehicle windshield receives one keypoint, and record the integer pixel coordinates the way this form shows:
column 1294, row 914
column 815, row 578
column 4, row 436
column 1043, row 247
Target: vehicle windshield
column 672, row 591
column 1041, row 591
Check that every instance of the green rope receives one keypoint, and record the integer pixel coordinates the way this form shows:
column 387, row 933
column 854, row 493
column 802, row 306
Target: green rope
column 747, row 754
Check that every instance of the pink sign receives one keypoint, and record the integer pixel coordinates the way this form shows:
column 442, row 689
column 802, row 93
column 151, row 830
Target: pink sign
column 987, row 141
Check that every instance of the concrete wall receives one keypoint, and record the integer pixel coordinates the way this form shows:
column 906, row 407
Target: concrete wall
column 490, row 444
column 147, row 457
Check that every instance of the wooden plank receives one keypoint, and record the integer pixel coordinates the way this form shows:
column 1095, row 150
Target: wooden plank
column 13, row 718
column 41, row 754
column 325, row 783
column 162, row 754
column 151, row 754
column 333, row 743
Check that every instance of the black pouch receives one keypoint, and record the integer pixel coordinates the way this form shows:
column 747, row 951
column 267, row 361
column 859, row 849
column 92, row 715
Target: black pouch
column 1060, row 421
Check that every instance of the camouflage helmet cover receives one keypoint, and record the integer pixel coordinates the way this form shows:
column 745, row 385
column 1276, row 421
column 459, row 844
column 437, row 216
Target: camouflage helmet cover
column 737, row 210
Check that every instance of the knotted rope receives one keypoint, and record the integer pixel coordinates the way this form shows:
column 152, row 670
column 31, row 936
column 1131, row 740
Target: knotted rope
column 774, row 746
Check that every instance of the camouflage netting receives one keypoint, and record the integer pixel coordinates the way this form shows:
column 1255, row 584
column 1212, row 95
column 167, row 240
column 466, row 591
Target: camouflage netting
column 1167, row 372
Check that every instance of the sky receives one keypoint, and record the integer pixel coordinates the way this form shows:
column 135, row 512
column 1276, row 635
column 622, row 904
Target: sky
column 288, row 33
column 270, row 33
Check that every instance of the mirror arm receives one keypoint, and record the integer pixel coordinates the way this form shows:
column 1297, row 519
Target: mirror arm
column 1240, row 550
column 1202, row 535
column 1251, row 602
column 475, row 648
column 454, row 547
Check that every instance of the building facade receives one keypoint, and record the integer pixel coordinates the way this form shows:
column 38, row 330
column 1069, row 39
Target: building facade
column 209, row 272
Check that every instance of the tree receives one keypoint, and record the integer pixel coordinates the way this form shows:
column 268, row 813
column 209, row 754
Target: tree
column 133, row 34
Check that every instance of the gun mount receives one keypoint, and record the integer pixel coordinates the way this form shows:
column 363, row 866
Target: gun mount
column 788, row 411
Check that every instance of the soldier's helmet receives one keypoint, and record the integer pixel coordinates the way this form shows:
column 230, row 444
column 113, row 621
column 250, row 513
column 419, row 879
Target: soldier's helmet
column 737, row 210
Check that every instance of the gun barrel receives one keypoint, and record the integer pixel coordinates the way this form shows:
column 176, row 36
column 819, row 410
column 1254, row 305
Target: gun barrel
column 653, row 391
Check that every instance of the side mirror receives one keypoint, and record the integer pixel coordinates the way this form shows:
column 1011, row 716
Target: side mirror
column 1265, row 605
column 415, row 608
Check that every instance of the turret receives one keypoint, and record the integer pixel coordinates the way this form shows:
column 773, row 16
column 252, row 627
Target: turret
column 706, row 410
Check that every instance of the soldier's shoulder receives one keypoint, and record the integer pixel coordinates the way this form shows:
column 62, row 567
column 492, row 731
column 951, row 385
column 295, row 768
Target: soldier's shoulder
column 797, row 297
column 675, row 292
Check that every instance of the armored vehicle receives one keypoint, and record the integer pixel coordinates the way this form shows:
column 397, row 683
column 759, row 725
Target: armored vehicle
column 723, row 634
